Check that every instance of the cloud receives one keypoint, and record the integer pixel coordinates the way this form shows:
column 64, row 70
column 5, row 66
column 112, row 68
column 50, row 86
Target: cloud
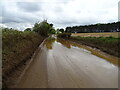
column 19, row 14
column 14, row 16
column 29, row 6
column 119, row 11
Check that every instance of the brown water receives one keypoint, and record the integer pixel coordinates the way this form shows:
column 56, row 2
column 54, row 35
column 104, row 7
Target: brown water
column 64, row 64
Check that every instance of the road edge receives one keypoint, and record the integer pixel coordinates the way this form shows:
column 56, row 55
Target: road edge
column 28, row 64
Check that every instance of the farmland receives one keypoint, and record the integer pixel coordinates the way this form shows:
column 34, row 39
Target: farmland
column 104, row 34
column 107, row 42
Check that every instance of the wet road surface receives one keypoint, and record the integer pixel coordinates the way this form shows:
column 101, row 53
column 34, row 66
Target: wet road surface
column 64, row 64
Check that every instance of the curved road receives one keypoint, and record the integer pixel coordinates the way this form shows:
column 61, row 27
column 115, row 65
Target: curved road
column 63, row 64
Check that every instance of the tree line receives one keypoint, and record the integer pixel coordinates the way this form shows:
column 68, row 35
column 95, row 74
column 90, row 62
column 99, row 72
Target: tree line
column 109, row 27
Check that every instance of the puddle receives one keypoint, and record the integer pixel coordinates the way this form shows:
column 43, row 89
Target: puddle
column 70, row 45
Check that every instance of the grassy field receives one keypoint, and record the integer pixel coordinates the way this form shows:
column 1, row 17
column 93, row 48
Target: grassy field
column 109, row 45
column 107, row 34
column 17, row 48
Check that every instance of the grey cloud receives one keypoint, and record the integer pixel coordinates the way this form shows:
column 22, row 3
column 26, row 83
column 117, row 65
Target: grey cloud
column 58, row 9
column 10, row 20
column 7, row 17
column 1, row 9
column 66, row 22
column 17, row 17
column 17, row 25
column 29, row 6
column 60, row 13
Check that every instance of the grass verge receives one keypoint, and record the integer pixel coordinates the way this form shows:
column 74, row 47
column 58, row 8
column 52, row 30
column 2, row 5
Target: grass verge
column 109, row 45
column 17, row 48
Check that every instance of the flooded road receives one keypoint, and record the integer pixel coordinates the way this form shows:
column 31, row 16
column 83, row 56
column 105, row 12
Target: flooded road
column 64, row 64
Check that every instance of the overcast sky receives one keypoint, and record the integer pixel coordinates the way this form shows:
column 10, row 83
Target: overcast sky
column 22, row 14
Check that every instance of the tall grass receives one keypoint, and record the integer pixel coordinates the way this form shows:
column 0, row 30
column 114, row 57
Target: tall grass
column 107, row 44
column 17, row 47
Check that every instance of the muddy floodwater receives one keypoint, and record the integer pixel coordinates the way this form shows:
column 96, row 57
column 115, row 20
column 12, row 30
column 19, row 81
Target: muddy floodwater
column 63, row 64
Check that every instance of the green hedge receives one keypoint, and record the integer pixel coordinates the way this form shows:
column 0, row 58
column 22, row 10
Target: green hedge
column 17, row 48
column 64, row 35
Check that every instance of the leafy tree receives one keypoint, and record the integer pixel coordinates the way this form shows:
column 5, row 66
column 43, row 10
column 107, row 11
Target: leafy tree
column 57, row 31
column 43, row 28
column 52, row 31
column 108, row 27
column 51, row 25
column 27, row 29
column 61, row 30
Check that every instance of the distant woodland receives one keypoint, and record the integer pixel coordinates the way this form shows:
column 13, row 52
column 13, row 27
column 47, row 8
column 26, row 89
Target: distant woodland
column 109, row 27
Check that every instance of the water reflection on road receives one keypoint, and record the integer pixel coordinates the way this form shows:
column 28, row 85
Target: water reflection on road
column 68, row 44
column 63, row 64
column 71, row 65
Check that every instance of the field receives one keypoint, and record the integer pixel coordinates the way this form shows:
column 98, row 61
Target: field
column 107, row 34
column 107, row 42
column 109, row 45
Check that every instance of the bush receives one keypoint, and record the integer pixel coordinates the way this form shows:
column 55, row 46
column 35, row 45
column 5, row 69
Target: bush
column 17, row 48
column 64, row 35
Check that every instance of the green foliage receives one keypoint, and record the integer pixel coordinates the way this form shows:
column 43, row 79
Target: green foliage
column 51, row 25
column 61, row 30
column 64, row 35
column 108, row 44
column 49, row 43
column 43, row 28
column 57, row 31
column 17, row 47
column 108, row 27
column 27, row 29
column 52, row 31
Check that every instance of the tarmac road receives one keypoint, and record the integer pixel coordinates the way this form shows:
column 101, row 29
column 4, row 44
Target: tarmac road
column 64, row 64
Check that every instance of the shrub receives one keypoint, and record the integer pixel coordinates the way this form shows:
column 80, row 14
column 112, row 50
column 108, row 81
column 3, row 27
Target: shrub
column 64, row 35
column 17, row 48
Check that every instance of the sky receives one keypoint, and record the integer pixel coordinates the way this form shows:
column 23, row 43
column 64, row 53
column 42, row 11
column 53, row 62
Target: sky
column 119, row 11
column 21, row 14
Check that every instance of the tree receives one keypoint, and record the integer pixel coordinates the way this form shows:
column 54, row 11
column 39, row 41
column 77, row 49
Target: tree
column 27, row 29
column 43, row 28
column 61, row 30
column 53, row 31
column 51, row 25
column 108, row 27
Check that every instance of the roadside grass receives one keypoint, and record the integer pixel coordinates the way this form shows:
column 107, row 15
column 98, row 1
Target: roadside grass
column 17, row 48
column 49, row 43
column 109, row 45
